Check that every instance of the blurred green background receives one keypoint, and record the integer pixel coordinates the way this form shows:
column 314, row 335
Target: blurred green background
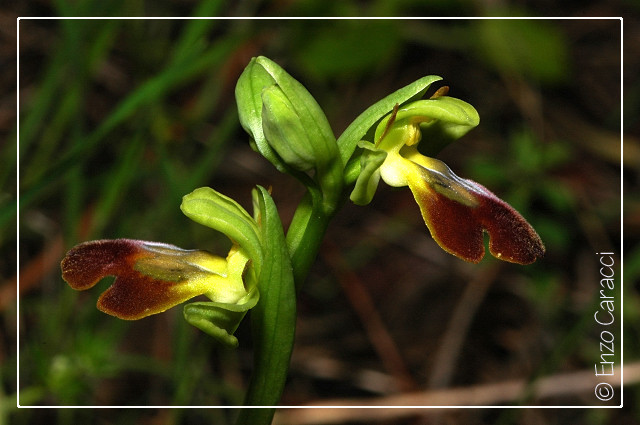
column 120, row 118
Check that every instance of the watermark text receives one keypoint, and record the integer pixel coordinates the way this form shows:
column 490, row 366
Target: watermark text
column 604, row 316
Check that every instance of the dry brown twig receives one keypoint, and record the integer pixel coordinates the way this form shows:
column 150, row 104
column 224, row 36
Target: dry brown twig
column 422, row 403
column 453, row 339
column 370, row 318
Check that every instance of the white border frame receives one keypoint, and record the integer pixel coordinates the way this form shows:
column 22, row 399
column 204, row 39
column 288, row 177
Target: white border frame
column 415, row 408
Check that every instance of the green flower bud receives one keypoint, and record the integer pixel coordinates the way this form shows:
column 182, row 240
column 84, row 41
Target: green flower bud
column 290, row 116
column 284, row 131
column 288, row 127
column 252, row 82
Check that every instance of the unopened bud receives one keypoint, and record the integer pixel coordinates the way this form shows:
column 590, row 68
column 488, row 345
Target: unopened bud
column 284, row 131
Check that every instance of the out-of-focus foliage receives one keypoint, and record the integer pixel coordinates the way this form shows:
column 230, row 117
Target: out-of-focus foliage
column 535, row 50
column 120, row 118
column 336, row 52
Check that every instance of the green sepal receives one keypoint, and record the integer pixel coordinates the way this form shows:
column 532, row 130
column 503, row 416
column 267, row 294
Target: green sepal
column 370, row 161
column 217, row 211
column 220, row 320
column 442, row 120
column 284, row 130
column 360, row 126
column 306, row 107
column 253, row 80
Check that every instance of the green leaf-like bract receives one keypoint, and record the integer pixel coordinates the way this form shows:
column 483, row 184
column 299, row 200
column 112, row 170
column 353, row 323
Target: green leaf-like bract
column 273, row 319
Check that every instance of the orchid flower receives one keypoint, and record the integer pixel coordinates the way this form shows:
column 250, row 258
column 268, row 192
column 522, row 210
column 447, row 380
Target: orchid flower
column 455, row 210
column 152, row 277
column 265, row 267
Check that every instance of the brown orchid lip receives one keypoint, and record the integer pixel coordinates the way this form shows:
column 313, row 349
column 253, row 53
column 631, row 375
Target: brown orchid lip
column 459, row 228
column 133, row 294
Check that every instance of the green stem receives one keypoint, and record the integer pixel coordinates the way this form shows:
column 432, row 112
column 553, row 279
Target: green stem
column 305, row 236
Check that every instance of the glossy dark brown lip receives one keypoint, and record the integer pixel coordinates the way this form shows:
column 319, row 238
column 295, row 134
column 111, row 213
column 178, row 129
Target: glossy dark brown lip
column 133, row 295
column 459, row 228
